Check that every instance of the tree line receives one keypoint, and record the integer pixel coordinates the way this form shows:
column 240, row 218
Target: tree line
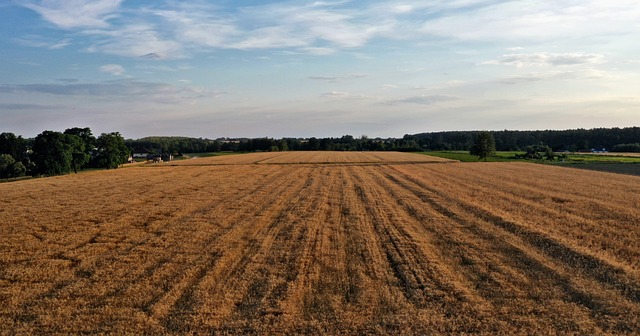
column 613, row 139
column 180, row 145
column 57, row 153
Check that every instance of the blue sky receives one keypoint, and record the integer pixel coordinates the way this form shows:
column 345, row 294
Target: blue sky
column 317, row 68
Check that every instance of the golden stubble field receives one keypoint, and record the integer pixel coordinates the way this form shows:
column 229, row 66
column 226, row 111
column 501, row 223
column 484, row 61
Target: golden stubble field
column 344, row 243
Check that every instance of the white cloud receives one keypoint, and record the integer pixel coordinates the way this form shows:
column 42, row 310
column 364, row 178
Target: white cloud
column 76, row 13
column 113, row 69
column 336, row 79
column 346, row 95
column 578, row 74
column 539, row 20
column 319, row 51
column 138, row 40
column 42, row 42
column 172, row 29
column 21, row 106
column 126, row 89
column 548, row 59
column 424, row 100
column 336, row 94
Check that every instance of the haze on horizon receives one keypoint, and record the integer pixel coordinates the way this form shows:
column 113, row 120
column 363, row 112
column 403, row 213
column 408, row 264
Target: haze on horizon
column 317, row 68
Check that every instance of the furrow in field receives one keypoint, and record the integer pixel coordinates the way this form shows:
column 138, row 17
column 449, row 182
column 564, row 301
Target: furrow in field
column 240, row 224
column 372, row 301
column 610, row 228
column 496, row 274
column 319, row 291
column 537, row 263
column 409, row 257
column 303, row 269
column 109, row 284
column 274, row 275
column 195, row 227
column 555, row 246
column 220, row 292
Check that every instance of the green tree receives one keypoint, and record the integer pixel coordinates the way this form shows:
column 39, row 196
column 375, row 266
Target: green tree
column 214, row 146
column 9, row 167
column 484, row 146
column 52, row 154
column 112, row 151
column 283, row 145
column 79, row 156
column 314, row 144
column 13, row 145
column 17, row 169
column 85, row 134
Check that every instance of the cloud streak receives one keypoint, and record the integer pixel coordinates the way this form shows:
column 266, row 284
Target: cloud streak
column 168, row 30
column 537, row 21
column 113, row 69
column 548, row 59
column 42, row 42
column 19, row 106
column 424, row 100
column 336, row 79
column 69, row 14
column 120, row 89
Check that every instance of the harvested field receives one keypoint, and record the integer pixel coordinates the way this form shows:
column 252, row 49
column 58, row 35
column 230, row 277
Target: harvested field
column 314, row 157
column 322, row 245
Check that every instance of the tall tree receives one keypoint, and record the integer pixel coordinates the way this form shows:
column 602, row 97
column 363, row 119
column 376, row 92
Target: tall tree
column 79, row 156
column 9, row 167
column 13, row 145
column 484, row 146
column 85, row 134
column 112, row 151
column 52, row 153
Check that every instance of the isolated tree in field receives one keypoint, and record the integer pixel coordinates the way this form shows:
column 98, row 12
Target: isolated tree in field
column 484, row 146
column 112, row 151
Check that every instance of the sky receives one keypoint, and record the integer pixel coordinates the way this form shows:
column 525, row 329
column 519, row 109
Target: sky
column 317, row 68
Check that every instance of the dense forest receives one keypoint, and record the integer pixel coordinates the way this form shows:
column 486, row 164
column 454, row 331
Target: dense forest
column 55, row 153
column 612, row 139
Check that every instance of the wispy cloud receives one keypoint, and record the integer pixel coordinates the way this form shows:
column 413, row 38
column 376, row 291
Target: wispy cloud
column 337, row 79
column 548, row 59
column 18, row 107
column 336, row 94
column 169, row 30
column 423, row 100
column 76, row 13
column 542, row 20
column 346, row 95
column 120, row 89
column 113, row 69
column 68, row 80
column 136, row 40
column 172, row 29
column 42, row 42
column 578, row 74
